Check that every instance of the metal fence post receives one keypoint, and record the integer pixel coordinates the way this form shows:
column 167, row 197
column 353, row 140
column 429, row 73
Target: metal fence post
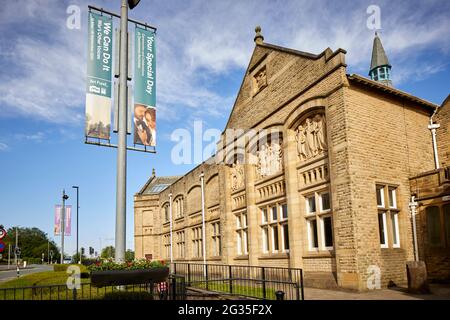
column 206, row 276
column 189, row 274
column 301, row 284
column 280, row 295
column 230, row 277
column 174, row 288
column 74, row 293
column 263, row 276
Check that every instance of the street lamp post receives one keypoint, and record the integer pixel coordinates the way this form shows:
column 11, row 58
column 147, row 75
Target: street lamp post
column 121, row 192
column 79, row 257
column 63, row 223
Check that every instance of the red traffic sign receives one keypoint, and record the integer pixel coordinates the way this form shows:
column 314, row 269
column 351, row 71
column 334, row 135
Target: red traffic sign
column 2, row 233
column 2, row 246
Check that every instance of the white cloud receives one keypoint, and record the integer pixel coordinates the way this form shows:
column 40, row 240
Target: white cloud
column 3, row 146
column 200, row 43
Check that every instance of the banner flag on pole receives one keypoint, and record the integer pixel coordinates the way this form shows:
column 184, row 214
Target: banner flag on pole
column 68, row 221
column 57, row 225
column 99, row 71
column 144, row 87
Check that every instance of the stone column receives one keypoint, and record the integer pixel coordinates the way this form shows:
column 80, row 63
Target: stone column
column 252, row 214
column 226, row 221
column 296, row 209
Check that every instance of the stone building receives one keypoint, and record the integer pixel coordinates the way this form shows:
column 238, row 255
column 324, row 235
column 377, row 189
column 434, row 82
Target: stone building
column 324, row 185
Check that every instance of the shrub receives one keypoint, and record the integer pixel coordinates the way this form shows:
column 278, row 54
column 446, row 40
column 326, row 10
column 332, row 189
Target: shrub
column 63, row 267
column 60, row 267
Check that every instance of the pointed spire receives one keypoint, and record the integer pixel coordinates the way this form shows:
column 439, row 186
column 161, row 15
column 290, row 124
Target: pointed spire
column 153, row 172
column 258, row 37
column 380, row 68
column 379, row 57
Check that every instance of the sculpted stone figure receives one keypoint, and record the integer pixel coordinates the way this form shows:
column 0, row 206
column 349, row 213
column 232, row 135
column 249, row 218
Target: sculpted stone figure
column 237, row 176
column 301, row 143
column 269, row 159
column 310, row 138
column 261, row 79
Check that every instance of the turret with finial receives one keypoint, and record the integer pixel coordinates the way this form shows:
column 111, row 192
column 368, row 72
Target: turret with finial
column 258, row 37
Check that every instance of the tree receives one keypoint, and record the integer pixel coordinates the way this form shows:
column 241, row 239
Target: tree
column 32, row 243
column 129, row 255
column 108, row 252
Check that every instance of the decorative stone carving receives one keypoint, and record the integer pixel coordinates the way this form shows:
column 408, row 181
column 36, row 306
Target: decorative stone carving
column 237, row 176
column 270, row 159
column 310, row 137
column 261, row 79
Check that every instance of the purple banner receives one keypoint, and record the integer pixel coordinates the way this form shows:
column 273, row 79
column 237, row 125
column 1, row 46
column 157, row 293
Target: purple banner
column 67, row 220
column 57, row 226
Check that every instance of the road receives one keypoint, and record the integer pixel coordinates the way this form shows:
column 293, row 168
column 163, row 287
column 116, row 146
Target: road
column 6, row 275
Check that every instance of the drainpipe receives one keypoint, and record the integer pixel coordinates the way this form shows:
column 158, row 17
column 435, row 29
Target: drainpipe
column 433, row 126
column 171, row 233
column 413, row 208
column 202, row 179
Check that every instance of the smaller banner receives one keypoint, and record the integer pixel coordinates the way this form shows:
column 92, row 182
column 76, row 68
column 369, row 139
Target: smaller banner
column 57, row 225
column 144, row 87
column 67, row 220
column 99, row 71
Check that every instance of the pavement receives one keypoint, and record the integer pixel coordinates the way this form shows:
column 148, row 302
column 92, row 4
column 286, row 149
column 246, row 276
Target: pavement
column 6, row 275
column 438, row 292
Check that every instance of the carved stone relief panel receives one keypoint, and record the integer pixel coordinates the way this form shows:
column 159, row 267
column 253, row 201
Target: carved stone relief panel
column 311, row 137
column 269, row 159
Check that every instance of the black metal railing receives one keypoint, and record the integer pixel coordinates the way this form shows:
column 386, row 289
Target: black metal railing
column 173, row 289
column 242, row 280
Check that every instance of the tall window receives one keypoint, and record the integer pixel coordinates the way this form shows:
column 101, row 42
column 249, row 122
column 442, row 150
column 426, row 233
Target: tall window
column 216, row 242
column 181, row 244
column 242, row 233
column 178, row 207
column 319, row 221
column 197, row 249
column 166, row 241
column 388, row 221
column 166, row 213
column 274, row 228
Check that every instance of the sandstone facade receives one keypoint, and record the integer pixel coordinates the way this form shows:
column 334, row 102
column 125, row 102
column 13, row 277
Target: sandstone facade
column 327, row 192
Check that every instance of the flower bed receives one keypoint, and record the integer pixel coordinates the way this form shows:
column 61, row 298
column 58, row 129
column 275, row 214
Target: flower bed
column 109, row 273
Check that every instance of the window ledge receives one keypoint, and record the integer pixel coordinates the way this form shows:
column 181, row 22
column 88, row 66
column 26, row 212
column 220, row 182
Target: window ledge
column 319, row 254
column 283, row 255
column 241, row 257
column 215, row 258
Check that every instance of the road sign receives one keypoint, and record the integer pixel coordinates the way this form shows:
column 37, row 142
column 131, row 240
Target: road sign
column 2, row 232
column 2, row 246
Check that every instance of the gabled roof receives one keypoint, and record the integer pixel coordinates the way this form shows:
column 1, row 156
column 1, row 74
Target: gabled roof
column 387, row 89
column 379, row 57
column 273, row 47
column 155, row 184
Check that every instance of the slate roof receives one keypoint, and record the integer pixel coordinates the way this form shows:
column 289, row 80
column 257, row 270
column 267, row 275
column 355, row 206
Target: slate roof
column 379, row 57
column 155, row 184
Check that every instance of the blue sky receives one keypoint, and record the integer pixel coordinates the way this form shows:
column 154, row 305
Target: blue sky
column 203, row 48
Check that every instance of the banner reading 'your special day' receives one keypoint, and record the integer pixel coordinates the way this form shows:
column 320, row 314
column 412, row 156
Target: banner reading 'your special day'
column 144, row 87
column 98, row 86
